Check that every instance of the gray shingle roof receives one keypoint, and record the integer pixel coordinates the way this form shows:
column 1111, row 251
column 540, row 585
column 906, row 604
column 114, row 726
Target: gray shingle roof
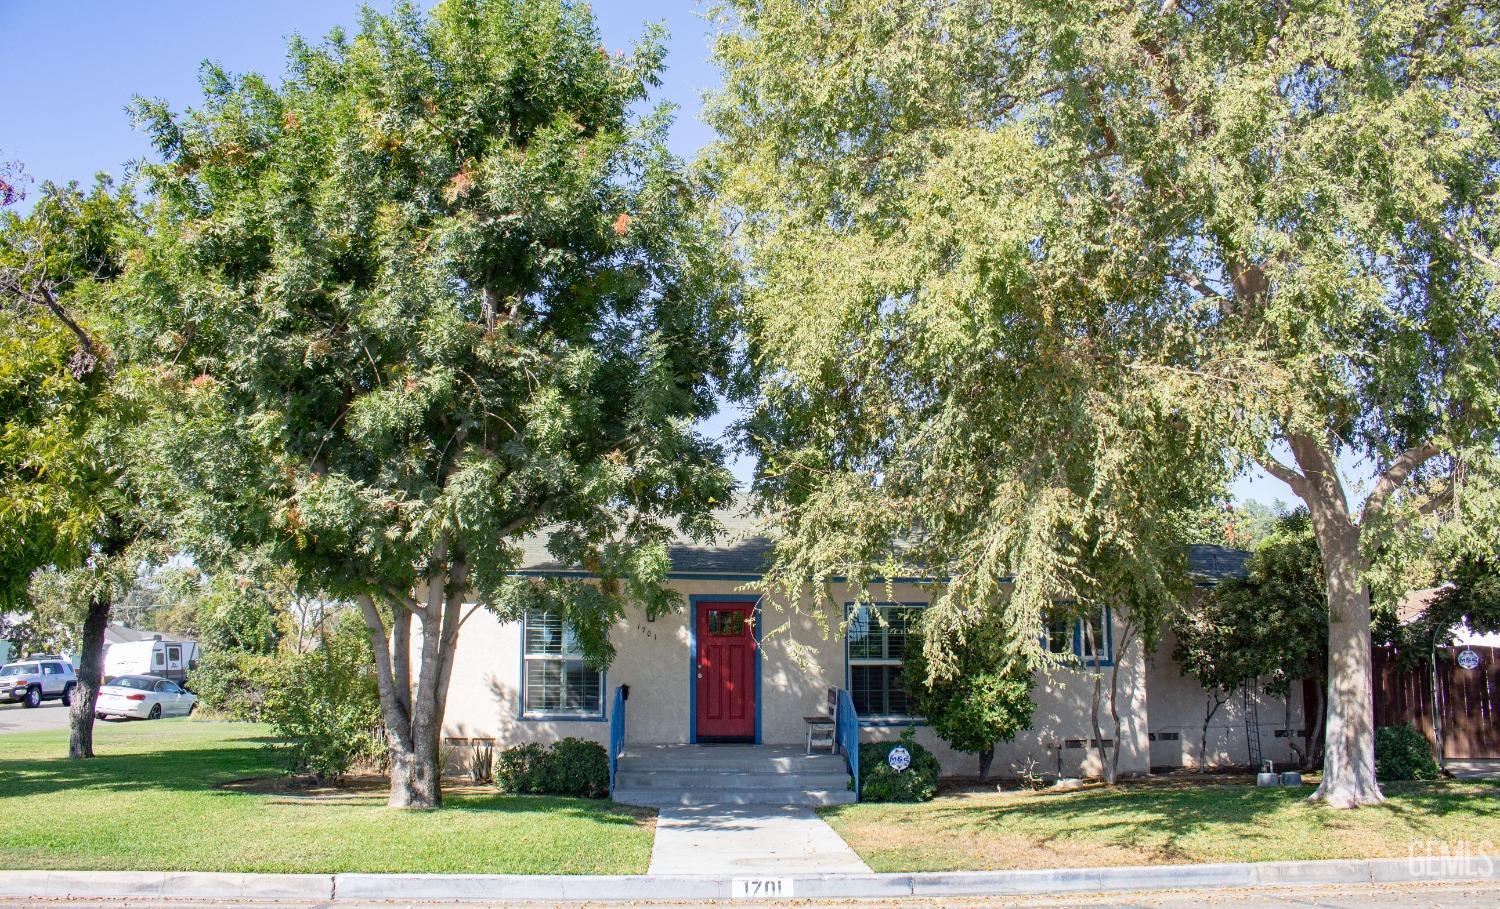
column 744, row 548
column 1216, row 563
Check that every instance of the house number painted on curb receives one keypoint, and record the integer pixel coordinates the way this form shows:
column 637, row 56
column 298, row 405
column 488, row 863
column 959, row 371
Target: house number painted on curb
column 1468, row 659
column 753, row 888
column 899, row 758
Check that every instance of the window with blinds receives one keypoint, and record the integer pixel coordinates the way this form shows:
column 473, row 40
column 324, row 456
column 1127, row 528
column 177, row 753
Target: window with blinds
column 877, row 646
column 555, row 681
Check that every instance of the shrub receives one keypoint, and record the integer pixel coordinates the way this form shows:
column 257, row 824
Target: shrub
column 879, row 782
column 987, row 699
column 1402, row 753
column 522, row 768
column 569, row 767
column 323, row 705
column 579, row 768
column 230, row 684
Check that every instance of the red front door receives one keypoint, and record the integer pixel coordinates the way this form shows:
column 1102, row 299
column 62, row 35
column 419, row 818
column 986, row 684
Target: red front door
column 726, row 672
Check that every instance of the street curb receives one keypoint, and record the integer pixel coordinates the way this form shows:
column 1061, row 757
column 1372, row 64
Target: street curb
column 602, row 888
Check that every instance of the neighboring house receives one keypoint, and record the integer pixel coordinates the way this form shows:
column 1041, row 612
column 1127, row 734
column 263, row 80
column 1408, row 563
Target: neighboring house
column 1415, row 603
column 724, row 669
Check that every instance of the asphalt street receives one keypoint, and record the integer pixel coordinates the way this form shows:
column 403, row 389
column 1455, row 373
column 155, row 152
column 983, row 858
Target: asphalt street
column 16, row 718
column 1385, row 896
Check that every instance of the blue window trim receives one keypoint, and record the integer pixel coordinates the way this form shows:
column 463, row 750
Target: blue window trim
column 849, row 607
column 524, row 717
column 694, row 600
column 1108, row 642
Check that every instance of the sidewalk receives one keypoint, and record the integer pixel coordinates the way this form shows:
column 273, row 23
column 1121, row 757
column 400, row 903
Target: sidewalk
column 754, row 839
column 722, row 885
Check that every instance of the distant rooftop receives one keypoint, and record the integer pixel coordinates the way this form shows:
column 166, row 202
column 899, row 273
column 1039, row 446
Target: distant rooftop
column 744, row 548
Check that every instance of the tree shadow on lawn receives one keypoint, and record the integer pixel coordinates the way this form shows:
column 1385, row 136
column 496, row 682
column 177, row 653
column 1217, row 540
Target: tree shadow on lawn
column 179, row 769
column 1175, row 821
column 208, row 770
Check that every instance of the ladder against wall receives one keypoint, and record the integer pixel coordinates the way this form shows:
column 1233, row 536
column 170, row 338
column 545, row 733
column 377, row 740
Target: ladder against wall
column 1252, row 724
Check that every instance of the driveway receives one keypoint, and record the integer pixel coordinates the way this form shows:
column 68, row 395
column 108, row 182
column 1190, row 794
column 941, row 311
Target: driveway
column 15, row 718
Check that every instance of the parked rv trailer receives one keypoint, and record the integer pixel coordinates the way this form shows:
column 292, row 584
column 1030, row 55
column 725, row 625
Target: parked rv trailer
column 167, row 659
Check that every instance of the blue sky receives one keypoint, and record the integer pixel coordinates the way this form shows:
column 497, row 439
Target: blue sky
column 71, row 66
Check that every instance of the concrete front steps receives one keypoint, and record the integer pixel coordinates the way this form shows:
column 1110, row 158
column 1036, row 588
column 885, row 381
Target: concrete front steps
column 690, row 775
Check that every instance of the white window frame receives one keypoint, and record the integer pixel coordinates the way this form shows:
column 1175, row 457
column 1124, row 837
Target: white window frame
column 564, row 656
column 852, row 610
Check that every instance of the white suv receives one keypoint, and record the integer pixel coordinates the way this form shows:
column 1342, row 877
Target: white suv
column 35, row 680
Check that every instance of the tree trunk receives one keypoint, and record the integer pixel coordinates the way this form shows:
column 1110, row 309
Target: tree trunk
column 1114, row 700
column 1098, row 742
column 1299, row 753
column 1212, row 704
column 986, row 757
column 416, row 781
column 1349, row 728
column 1349, row 731
column 1312, row 719
column 90, row 673
column 413, row 713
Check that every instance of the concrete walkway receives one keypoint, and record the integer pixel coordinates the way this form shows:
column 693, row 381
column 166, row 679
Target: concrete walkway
column 750, row 839
column 1474, row 768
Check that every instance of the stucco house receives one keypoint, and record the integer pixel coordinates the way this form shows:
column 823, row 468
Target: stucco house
column 731, row 669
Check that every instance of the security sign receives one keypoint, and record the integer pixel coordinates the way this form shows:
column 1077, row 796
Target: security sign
column 899, row 758
column 1467, row 659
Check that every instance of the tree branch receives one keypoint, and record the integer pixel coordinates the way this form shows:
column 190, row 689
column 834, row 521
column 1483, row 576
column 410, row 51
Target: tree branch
column 1283, row 473
column 397, row 721
column 1396, row 476
column 41, row 294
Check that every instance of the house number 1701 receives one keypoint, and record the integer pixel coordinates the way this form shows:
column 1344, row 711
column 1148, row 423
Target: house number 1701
column 749, row 888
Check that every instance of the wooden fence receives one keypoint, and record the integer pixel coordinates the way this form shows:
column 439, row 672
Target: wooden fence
column 1468, row 700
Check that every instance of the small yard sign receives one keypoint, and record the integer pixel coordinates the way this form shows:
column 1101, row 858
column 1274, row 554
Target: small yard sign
column 1468, row 659
column 899, row 758
column 760, row 888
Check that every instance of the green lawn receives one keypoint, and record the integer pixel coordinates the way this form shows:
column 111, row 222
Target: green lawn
column 151, row 801
column 1161, row 823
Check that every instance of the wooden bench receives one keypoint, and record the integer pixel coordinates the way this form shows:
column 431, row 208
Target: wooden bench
column 823, row 728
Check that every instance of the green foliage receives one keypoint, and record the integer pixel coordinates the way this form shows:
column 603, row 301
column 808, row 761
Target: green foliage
column 1031, row 278
column 1403, row 753
column 879, row 782
column 439, row 286
column 1269, row 627
column 568, row 767
column 986, row 700
column 1238, row 525
column 238, row 612
column 231, row 683
column 522, row 768
column 322, row 705
column 66, row 400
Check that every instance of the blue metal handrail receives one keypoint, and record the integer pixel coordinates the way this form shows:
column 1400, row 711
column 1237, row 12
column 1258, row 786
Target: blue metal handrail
column 846, row 726
column 616, row 734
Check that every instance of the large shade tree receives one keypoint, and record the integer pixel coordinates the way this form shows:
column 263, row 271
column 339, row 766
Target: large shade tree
column 440, row 288
column 67, row 407
column 1011, row 256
